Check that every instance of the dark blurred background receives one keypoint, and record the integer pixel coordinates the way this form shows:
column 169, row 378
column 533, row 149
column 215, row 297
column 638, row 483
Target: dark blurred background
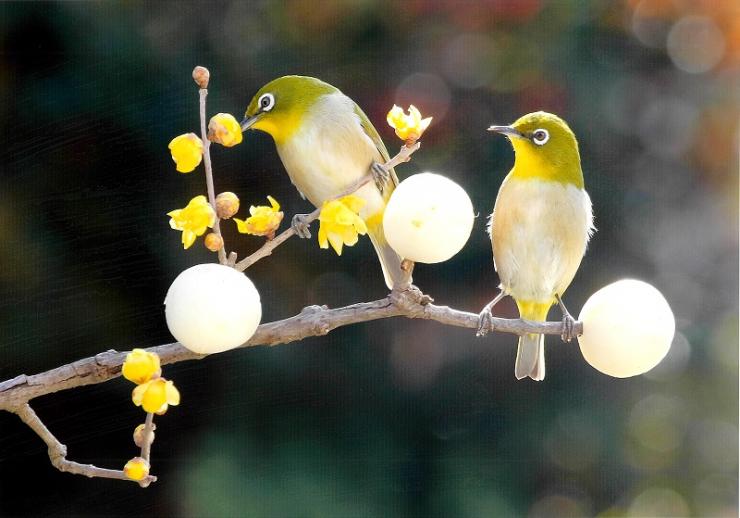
column 395, row 417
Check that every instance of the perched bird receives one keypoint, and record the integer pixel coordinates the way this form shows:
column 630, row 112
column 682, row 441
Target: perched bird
column 539, row 228
column 327, row 143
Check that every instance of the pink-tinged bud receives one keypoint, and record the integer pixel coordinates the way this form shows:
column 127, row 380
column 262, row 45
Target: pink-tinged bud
column 227, row 205
column 139, row 435
column 201, row 75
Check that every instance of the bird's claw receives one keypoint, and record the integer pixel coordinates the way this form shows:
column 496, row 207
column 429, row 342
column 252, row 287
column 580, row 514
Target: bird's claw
column 381, row 175
column 300, row 225
column 569, row 324
column 485, row 322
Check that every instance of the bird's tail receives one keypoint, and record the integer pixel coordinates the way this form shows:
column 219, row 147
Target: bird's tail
column 530, row 357
column 390, row 261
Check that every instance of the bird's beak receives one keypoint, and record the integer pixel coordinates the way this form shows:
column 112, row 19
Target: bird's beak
column 248, row 122
column 507, row 130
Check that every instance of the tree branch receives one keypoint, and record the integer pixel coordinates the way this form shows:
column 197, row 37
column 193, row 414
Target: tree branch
column 311, row 321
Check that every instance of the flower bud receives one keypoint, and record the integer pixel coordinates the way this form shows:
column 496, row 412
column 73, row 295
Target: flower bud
column 213, row 242
column 136, row 469
column 227, row 205
column 139, row 434
column 201, row 75
column 224, row 129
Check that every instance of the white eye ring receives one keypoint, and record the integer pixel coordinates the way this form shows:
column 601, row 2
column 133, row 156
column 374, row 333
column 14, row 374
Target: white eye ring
column 266, row 102
column 540, row 136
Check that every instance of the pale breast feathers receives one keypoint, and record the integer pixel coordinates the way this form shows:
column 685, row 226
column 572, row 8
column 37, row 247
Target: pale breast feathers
column 539, row 231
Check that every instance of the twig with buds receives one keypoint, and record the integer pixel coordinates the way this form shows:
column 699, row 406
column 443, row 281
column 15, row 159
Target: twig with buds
column 201, row 76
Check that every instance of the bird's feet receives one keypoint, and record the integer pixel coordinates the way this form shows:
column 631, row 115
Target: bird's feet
column 381, row 175
column 300, row 225
column 569, row 323
column 485, row 322
column 485, row 318
column 568, row 328
column 410, row 298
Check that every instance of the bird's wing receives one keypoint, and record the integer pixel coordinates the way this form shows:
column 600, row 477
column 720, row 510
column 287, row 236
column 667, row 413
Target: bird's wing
column 371, row 132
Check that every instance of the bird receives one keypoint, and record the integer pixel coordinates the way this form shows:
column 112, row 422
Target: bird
column 326, row 143
column 540, row 227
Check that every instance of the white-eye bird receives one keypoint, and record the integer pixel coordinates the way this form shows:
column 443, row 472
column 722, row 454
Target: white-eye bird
column 327, row 143
column 540, row 226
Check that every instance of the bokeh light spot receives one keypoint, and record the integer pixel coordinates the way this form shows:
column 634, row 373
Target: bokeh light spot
column 695, row 44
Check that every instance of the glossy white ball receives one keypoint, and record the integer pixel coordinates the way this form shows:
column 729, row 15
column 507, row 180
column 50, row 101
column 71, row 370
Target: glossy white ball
column 428, row 218
column 212, row 308
column 628, row 328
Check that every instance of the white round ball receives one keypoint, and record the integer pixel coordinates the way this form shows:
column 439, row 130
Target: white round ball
column 212, row 308
column 428, row 218
column 628, row 328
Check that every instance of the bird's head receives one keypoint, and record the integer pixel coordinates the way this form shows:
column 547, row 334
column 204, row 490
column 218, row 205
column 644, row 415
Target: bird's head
column 545, row 147
column 280, row 107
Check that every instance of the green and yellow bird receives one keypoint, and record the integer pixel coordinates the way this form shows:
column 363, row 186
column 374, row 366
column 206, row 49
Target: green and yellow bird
column 326, row 143
column 539, row 229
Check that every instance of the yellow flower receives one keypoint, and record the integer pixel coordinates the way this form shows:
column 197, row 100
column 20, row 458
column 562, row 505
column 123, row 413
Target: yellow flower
column 140, row 366
column 340, row 223
column 263, row 220
column 193, row 219
column 187, row 152
column 408, row 127
column 225, row 130
column 156, row 395
column 136, row 469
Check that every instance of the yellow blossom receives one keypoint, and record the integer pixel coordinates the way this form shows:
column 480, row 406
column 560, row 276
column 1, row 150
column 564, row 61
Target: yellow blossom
column 156, row 395
column 193, row 219
column 187, row 152
column 136, row 469
column 408, row 127
column 340, row 222
column 263, row 220
column 140, row 366
column 224, row 129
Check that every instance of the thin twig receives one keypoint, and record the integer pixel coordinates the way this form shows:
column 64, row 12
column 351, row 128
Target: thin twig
column 58, row 451
column 146, row 445
column 404, row 155
column 146, row 435
column 209, row 172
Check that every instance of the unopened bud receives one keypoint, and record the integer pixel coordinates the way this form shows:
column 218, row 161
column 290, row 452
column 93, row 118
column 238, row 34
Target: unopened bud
column 201, row 75
column 227, row 205
column 224, row 129
column 136, row 469
column 139, row 435
column 213, row 242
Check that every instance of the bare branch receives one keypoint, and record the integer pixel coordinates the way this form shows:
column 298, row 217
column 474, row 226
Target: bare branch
column 58, row 451
column 312, row 321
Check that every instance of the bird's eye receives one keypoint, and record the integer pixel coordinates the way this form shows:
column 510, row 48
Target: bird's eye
column 266, row 102
column 540, row 137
